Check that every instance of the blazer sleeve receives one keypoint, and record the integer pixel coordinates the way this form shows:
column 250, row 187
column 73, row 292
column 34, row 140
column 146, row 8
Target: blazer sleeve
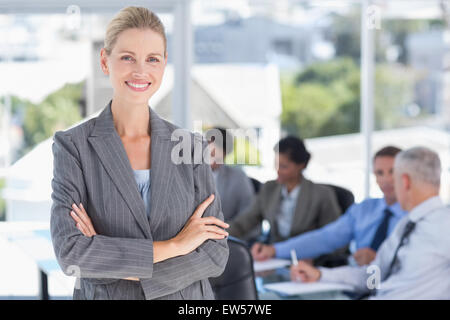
column 208, row 260
column 98, row 256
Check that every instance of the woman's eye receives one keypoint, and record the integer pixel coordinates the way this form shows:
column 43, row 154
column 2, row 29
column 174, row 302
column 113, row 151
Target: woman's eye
column 127, row 58
column 153, row 59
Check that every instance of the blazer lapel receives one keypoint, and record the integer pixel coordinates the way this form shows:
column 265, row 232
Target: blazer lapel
column 162, row 169
column 109, row 148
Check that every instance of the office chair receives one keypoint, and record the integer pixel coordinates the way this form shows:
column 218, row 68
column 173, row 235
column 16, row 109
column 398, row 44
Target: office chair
column 237, row 282
column 344, row 197
column 339, row 257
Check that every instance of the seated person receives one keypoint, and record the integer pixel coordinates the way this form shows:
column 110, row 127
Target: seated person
column 291, row 204
column 235, row 189
column 367, row 224
column 414, row 261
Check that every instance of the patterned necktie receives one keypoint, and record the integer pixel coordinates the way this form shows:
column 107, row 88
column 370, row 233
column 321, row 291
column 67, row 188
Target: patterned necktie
column 406, row 232
column 381, row 233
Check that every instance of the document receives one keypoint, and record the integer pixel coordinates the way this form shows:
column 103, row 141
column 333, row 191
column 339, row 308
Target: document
column 290, row 288
column 270, row 264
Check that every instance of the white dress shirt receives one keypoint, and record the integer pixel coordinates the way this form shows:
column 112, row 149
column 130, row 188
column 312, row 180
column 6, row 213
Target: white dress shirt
column 287, row 209
column 422, row 270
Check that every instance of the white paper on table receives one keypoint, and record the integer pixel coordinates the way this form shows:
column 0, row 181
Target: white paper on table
column 293, row 288
column 270, row 264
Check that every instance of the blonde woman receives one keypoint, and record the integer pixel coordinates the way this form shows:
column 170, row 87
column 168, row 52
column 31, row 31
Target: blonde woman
column 124, row 237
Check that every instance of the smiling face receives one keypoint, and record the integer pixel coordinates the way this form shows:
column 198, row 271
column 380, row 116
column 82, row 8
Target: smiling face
column 135, row 65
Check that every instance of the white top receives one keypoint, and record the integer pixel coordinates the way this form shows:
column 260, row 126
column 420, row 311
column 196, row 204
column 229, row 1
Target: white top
column 287, row 209
column 142, row 178
column 423, row 262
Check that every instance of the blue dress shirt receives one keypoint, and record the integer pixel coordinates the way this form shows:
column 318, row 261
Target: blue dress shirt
column 358, row 224
column 142, row 178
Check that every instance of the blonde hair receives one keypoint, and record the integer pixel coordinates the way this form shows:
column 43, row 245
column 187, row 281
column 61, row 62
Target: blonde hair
column 129, row 18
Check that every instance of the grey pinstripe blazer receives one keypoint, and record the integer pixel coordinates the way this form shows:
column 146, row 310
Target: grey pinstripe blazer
column 92, row 167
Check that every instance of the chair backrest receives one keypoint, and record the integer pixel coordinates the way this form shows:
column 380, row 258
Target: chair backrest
column 237, row 282
column 344, row 196
column 339, row 257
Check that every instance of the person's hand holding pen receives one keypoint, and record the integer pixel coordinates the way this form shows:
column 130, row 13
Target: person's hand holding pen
column 303, row 271
column 261, row 252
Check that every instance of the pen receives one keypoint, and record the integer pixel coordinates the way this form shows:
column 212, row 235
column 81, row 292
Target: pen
column 294, row 257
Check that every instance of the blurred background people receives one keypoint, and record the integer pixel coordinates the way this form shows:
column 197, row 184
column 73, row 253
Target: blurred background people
column 366, row 224
column 414, row 262
column 291, row 204
column 235, row 189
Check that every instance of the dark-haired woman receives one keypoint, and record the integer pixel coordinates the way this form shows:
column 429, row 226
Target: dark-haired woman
column 292, row 204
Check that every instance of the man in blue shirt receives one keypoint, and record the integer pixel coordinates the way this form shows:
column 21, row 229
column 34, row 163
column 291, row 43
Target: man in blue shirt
column 366, row 224
column 414, row 261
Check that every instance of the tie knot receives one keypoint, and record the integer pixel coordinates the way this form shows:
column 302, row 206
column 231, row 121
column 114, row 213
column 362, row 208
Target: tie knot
column 387, row 212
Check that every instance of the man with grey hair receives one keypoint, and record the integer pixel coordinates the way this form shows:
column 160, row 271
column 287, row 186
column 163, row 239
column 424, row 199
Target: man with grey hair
column 414, row 262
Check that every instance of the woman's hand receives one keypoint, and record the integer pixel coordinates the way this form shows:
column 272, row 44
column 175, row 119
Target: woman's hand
column 84, row 223
column 197, row 229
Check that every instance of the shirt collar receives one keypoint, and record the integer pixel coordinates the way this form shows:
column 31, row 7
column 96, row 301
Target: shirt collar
column 292, row 195
column 425, row 207
column 395, row 208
